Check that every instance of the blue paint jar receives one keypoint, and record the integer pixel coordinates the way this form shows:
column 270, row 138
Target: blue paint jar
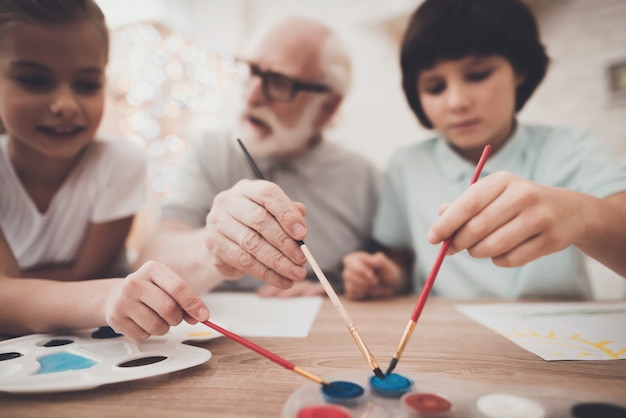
column 343, row 393
column 392, row 386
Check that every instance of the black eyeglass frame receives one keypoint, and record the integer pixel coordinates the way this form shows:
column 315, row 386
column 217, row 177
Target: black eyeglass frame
column 295, row 85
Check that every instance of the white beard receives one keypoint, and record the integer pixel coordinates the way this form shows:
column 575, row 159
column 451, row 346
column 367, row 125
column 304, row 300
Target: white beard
column 283, row 142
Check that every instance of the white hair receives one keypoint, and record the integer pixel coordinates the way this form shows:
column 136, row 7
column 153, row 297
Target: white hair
column 335, row 62
column 335, row 65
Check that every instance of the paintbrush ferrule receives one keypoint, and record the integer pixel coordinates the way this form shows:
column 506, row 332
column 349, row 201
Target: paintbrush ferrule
column 404, row 340
column 309, row 376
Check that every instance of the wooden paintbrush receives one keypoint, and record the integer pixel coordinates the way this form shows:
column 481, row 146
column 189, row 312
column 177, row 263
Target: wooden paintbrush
column 327, row 286
column 268, row 354
column 421, row 301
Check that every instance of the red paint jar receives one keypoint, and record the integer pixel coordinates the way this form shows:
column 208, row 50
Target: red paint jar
column 426, row 405
column 324, row 411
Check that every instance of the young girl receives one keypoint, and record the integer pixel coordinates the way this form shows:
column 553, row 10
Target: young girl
column 548, row 194
column 67, row 201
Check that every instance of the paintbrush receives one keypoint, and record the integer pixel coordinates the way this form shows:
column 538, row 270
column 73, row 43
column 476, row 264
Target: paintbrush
column 421, row 301
column 326, row 284
column 268, row 354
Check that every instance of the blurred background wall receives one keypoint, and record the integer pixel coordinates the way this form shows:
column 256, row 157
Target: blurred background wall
column 169, row 76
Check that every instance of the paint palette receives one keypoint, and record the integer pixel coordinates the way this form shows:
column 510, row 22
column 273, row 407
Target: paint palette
column 432, row 396
column 90, row 358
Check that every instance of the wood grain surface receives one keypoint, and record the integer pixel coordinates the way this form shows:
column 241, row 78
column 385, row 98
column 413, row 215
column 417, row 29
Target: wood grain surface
column 237, row 382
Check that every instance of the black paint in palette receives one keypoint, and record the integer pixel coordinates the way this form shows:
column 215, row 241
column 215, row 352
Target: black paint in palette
column 598, row 410
column 10, row 356
column 105, row 333
column 56, row 342
column 143, row 361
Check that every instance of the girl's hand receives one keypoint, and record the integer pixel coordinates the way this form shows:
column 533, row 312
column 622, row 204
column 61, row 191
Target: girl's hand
column 150, row 301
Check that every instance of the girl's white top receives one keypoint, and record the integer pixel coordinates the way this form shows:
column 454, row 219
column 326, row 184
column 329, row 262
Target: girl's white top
column 108, row 183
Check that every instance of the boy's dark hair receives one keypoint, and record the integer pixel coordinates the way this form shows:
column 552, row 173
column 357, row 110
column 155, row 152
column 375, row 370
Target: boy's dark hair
column 52, row 12
column 452, row 29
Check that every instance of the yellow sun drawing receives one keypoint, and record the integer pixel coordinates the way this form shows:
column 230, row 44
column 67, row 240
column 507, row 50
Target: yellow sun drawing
column 572, row 344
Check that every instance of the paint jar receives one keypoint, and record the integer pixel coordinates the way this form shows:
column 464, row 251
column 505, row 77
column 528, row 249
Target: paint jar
column 392, row 386
column 426, row 405
column 324, row 411
column 343, row 393
column 505, row 405
column 598, row 409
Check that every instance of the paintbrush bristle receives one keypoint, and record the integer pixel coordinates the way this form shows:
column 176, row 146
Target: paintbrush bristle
column 379, row 373
column 392, row 365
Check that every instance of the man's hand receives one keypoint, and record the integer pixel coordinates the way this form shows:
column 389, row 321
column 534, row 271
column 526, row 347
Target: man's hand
column 252, row 228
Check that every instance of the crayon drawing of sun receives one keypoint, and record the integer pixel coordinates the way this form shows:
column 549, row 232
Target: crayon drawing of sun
column 573, row 346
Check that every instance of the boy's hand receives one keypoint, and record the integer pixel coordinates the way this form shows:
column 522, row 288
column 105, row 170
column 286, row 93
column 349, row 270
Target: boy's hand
column 510, row 220
column 368, row 275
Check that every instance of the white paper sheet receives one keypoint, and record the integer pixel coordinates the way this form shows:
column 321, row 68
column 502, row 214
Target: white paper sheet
column 558, row 331
column 249, row 315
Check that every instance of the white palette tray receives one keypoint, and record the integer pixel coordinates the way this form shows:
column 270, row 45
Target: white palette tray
column 79, row 361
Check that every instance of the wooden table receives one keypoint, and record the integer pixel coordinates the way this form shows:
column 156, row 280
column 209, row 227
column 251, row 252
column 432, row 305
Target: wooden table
column 237, row 382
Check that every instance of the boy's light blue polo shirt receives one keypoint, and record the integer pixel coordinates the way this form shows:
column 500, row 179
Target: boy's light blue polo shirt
column 421, row 177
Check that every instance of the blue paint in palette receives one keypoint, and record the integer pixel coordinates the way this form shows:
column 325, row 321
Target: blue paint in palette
column 342, row 392
column 63, row 361
column 392, row 386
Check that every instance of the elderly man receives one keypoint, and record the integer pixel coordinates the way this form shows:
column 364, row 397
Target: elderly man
column 222, row 223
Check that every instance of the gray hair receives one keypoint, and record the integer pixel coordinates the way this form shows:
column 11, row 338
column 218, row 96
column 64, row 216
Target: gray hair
column 335, row 65
column 335, row 62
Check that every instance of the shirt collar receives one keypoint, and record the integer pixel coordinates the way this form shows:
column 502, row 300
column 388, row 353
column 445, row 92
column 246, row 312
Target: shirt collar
column 456, row 169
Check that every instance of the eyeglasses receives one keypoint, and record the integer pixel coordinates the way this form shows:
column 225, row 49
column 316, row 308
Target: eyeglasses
column 277, row 86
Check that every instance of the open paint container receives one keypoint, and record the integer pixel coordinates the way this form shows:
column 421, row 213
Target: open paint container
column 342, row 392
column 426, row 405
column 391, row 386
column 508, row 405
column 324, row 411
column 437, row 396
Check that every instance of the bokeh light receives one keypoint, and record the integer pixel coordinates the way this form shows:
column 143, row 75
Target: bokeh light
column 166, row 88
